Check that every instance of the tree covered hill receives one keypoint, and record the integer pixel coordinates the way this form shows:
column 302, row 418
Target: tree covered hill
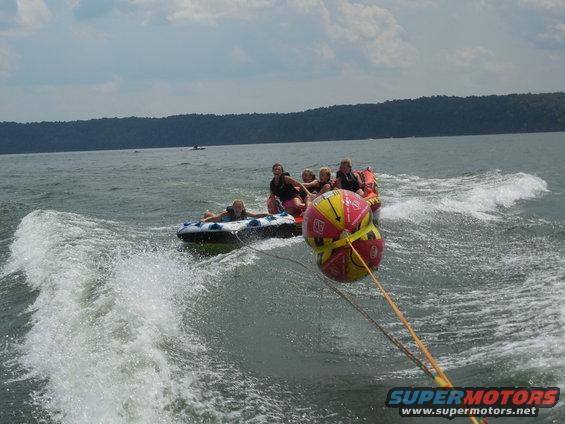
column 426, row 116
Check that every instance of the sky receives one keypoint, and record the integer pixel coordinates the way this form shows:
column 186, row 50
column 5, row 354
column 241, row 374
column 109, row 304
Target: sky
column 64, row 60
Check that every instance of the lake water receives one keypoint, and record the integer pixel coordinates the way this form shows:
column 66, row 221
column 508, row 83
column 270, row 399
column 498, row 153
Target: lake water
column 105, row 320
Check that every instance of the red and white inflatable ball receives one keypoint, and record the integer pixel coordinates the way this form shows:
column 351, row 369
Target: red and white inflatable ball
column 331, row 220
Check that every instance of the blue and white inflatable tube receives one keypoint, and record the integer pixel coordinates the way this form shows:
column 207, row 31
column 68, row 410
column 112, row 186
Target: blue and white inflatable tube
column 277, row 225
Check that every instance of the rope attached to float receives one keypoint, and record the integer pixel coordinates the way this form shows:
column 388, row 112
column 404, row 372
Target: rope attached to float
column 355, row 306
column 344, row 241
column 440, row 379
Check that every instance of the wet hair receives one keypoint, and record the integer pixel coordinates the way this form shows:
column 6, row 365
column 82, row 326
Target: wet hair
column 346, row 162
column 309, row 172
column 275, row 165
column 238, row 201
column 326, row 170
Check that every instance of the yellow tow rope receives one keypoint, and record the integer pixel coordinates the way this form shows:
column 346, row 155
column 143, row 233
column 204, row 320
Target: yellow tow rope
column 441, row 379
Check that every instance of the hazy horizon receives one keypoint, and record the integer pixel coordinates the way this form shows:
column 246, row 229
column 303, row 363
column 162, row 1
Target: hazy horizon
column 258, row 113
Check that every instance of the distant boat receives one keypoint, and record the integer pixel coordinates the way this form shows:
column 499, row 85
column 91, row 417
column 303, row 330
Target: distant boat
column 197, row 147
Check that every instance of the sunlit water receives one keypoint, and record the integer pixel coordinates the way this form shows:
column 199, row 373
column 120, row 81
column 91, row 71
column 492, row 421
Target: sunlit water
column 105, row 320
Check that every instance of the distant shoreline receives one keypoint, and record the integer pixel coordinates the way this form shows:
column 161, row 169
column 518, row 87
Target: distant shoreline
column 436, row 116
column 188, row 148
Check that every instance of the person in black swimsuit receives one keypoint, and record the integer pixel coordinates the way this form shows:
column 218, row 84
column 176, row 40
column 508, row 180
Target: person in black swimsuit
column 235, row 212
column 310, row 182
column 284, row 187
column 346, row 179
column 324, row 182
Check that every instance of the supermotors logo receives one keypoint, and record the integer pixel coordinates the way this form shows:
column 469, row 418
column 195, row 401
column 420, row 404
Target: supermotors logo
column 471, row 401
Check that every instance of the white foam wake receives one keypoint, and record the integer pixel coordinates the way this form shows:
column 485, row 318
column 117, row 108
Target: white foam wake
column 109, row 334
column 97, row 321
column 479, row 196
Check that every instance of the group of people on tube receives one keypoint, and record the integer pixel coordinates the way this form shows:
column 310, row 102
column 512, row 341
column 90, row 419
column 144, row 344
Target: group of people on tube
column 293, row 196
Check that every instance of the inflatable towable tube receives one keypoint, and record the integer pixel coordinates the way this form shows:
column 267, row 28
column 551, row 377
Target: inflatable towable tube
column 371, row 193
column 277, row 225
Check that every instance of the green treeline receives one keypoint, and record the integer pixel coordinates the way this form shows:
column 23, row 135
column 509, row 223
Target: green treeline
column 426, row 116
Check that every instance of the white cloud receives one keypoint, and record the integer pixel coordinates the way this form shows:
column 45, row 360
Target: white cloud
column 475, row 60
column 86, row 32
column 325, row 51
column 31, row 16
column 306, row 5
column 295, row 53
column 375, row 30
column 73, row 4
column 547, row 5
column 205, row 12
column 211, row 11
column 554, row 34
column 239, row 56
column 368, row 27
column 468, row 56
column 8, row 59
column 553, row 14
column 421, row 3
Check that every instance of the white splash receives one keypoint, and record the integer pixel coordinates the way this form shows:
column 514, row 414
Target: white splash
column 109, row 326
column 480, row 196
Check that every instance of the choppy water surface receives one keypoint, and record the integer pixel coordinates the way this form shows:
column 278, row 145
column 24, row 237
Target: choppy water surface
column 105, row 320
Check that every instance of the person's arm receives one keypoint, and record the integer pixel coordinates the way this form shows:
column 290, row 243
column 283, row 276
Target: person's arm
column 216, row 218
column 326, row 187
column 338, row 182
column 294, row 182
column 311, row 184
column 361, row 183
column 257, row 215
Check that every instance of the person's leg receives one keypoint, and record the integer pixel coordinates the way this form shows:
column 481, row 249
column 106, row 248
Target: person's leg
column 289, row 206
column 298, row 203
column 293, row 206
column 207, row 214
